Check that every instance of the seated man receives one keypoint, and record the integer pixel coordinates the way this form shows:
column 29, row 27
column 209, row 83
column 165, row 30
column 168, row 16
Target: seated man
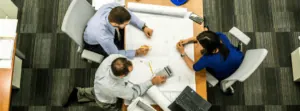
column 104, row 33
column 111, row 83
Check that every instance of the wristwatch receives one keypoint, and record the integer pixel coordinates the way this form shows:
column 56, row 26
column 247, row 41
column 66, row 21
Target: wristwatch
column 182, row 55
column 144, row 26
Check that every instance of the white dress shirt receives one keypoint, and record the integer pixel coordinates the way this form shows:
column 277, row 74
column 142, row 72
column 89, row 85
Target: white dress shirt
column 109, row 87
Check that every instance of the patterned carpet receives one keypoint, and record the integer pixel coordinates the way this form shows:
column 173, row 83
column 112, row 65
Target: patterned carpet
column 52, row 66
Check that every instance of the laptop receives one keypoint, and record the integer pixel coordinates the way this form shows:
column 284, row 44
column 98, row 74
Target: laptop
column 189, row 100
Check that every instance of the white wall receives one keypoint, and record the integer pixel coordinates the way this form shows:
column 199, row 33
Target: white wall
column 8, row 8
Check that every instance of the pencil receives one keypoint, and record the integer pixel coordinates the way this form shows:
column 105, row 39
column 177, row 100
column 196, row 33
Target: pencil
column 146, row 47
column 151, row 68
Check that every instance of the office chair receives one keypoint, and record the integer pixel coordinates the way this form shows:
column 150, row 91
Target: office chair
column 252, row 59
column 74, row 23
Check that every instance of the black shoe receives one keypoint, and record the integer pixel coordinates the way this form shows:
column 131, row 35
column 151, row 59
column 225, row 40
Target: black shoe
column 72, row 98
column 229, row 91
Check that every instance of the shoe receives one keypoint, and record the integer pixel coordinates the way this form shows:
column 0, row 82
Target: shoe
column 229, row 91
column 72, row 98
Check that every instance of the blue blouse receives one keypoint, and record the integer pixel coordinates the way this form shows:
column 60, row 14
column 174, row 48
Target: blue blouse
column 221, row 69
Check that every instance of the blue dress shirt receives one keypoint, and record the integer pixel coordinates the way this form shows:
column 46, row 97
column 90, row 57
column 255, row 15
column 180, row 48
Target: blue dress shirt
column 100, row 31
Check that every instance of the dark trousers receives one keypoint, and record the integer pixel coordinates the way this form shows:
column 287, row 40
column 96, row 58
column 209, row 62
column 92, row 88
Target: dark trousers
column 99, row 49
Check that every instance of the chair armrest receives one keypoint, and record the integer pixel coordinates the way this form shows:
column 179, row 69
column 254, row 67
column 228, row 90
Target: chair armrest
column 20, row 54
column 239, row 35
column 89, row 55
column 211, row 79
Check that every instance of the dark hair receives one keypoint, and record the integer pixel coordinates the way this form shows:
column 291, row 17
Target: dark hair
column 120, row 66
column 119, row 15
column 210, row 41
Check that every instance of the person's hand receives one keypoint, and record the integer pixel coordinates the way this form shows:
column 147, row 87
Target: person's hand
column 148, row 32
column 180, row 48
column 157, row 80
column 184, row 41
column 142, row 51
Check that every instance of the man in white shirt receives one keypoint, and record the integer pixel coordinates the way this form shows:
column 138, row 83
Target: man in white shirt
column 111, row 83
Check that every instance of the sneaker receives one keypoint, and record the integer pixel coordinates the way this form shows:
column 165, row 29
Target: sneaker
column 72, row 98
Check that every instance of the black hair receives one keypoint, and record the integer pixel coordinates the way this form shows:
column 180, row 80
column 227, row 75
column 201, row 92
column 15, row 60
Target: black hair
column 120, row 66
column 119, row 15
column 210, row 41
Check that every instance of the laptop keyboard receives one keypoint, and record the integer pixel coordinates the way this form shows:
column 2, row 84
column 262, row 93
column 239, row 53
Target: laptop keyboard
column 187, row 103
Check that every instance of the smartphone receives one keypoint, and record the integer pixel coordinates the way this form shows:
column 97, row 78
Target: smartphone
column 196, row 18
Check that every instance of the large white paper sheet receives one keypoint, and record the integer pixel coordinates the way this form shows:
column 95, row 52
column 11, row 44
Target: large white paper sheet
column 167, row 32
column 6, row 48
column 141, row 71
column 169, row 28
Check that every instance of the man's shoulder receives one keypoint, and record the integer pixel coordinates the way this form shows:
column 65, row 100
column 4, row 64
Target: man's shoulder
column 113, row 57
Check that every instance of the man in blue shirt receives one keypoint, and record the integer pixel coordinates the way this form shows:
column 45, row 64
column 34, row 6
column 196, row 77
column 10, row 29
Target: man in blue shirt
column 104, row 33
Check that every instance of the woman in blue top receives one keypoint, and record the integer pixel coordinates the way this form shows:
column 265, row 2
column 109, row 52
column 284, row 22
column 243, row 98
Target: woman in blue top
column 220, row 57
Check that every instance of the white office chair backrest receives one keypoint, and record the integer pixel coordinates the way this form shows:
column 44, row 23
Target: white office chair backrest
column 76, row 18
column 239, row 35
column 253, row 58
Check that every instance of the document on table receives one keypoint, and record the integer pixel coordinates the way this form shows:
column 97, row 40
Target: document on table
column 5, row 63
column 141, row 71
column 8, row 28
column 6, row 48
column 168, row 29
column 6, row 51
column 99, row 3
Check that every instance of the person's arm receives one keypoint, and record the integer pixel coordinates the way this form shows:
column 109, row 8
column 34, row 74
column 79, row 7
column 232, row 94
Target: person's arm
column 130, row 93
column 135, row 21
column 188, row 40
column 110, row 48
column 199, row 65
column 188, row 61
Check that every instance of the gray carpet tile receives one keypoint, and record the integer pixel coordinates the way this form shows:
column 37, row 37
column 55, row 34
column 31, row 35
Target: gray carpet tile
column 267, row 40
column 53, row 67
column 253, row 88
